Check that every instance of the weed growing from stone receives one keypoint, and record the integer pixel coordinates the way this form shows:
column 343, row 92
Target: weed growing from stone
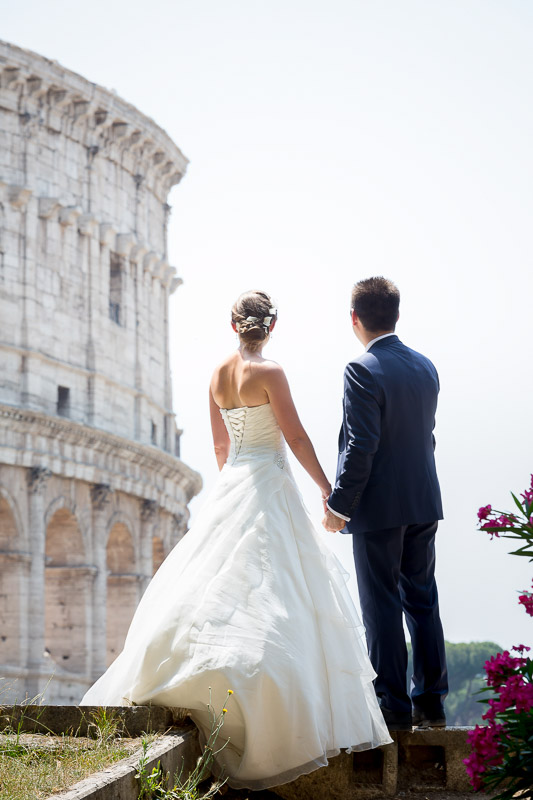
column 106, row 724
column 155, row 786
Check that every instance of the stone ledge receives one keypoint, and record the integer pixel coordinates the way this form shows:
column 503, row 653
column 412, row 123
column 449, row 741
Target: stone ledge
column 95, row 456
column 118, row 782
column 421, row 763
column 424, row 764
column 77, row 720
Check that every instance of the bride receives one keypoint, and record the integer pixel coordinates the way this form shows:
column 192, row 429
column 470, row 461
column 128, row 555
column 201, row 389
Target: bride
column 252, row 599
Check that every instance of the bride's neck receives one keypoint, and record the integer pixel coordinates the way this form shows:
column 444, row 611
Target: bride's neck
column 245, row 353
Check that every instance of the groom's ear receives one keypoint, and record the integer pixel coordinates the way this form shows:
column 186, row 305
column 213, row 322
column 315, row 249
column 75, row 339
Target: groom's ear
column 355, row 318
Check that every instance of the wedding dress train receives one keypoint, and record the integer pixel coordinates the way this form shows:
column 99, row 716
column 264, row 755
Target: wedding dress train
column 252, row 600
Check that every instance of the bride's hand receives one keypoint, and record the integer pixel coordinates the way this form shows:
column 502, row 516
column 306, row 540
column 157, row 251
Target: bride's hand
column 325, row 492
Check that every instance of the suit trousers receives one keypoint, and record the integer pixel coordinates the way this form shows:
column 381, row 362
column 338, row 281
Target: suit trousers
column 396, row 576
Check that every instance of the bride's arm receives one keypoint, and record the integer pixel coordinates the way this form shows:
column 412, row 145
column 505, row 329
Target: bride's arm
column 279, row 394
column 220, row 435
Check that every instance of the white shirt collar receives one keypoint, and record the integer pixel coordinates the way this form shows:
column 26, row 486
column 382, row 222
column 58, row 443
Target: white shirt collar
column 373, row 341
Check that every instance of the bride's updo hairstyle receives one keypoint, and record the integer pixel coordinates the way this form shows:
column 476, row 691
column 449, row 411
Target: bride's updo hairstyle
column 253, row 315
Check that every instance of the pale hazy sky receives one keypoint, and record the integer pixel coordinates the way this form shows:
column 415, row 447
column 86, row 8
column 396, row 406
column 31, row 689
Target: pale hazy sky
column 331, row 140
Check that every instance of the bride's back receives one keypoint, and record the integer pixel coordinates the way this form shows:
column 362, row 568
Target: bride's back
column 239, row 381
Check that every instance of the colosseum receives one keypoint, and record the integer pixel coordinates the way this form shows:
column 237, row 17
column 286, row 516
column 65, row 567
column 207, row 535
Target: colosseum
column 93, row 493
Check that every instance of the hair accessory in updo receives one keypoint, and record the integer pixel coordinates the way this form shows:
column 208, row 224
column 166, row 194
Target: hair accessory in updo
column 253, row 315
column 268, row 320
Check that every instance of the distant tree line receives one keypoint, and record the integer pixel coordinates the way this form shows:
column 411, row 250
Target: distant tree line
column 466, row 678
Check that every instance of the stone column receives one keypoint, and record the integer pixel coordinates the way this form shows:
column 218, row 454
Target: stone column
column 170, row 424
column 171, row 284
column 36, row 481
column 99, row 301
column 25, row 562
column 19, row 198
column 100, row 494
column 87, row 227
column 146, row 335
column 136, row 259
column 148, row 520
column 180, row 526
column 124, row 244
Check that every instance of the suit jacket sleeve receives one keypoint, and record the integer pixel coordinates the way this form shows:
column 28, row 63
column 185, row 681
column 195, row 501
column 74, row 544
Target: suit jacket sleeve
column 438, row 390
column 361, row 430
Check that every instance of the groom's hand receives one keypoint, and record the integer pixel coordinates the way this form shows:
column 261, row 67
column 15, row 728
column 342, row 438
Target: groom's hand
column 332, row 522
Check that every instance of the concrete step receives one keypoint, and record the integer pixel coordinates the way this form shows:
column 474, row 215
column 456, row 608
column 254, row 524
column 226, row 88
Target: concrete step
column 425, row 764
column 118, row 782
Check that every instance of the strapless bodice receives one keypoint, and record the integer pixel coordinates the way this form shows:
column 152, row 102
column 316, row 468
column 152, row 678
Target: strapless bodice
column 253, row 432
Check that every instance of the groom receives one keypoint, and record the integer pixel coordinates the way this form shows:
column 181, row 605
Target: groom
column 387, row 495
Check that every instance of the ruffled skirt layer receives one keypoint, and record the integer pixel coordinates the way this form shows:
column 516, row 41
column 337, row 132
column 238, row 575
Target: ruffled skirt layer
column 253, row 600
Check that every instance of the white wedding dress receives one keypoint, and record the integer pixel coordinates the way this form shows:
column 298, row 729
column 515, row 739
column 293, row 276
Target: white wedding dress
column 252, row 600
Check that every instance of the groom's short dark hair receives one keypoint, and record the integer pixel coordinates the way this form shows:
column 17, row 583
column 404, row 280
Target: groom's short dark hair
column 376, row 302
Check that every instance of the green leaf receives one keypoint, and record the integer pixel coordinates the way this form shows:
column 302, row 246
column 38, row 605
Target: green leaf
column 518, row 503
column 523, row 551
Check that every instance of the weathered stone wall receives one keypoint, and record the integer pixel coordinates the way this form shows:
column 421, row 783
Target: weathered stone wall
column 92, row 495
column 84, row 179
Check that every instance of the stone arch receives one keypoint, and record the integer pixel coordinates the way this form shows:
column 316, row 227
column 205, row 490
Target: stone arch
column 13, row 506
column 12, row 570
column 82, row 517
column 122, row 585
column 66, row 591
column 130, row 524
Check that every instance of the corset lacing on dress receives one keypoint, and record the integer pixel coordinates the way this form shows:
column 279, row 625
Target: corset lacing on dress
column 254, row 432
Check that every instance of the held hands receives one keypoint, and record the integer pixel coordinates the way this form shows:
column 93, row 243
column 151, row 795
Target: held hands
column 332, row 523
column 325, row 492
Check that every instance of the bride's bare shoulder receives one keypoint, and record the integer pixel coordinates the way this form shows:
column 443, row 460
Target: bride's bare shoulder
column 269, row 364
column 271, row 367
column 222, row 373
column 273, row 376
column 226, row 363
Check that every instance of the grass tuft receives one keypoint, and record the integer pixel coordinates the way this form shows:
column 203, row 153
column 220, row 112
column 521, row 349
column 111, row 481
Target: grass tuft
column 34, row 766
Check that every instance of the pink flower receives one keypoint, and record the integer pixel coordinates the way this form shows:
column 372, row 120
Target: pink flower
column 486, row 752
column 500, row 667
column 488, row 526
column 526, row 600
column 512, row 689
column 524, row 698
column 527, row 496
column 484, row 512
column 516, row 693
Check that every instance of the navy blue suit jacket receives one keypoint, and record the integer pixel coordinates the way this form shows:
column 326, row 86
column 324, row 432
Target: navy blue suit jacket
column 386, row 474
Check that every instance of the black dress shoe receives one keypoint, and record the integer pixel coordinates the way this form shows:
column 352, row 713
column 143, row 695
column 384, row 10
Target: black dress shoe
column 436, row 718
column 397, row 720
